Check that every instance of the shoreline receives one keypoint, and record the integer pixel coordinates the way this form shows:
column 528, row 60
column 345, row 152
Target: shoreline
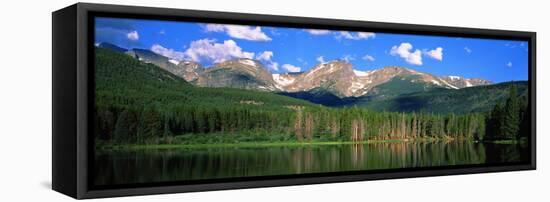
column 107, row 147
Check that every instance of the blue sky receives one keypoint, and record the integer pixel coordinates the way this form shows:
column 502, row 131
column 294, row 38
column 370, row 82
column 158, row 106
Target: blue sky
column 290, row 50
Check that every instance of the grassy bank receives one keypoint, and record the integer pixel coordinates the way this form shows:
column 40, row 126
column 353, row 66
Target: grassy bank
column 512, row 141
column 251, row 139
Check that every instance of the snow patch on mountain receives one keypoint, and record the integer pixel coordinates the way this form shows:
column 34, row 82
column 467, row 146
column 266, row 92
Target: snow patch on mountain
column 454, row 77
column 173, row 61
column 248, row 62
column 361, row 73
column 449, row 85
column 281, row 80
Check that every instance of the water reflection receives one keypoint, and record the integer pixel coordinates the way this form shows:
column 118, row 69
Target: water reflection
column 141, row 166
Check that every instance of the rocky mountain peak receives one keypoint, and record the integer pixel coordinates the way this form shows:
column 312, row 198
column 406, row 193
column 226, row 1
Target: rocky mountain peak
column 461, row 82
column 238, row 73
column 189, row 70
column 248, row 66
column 239, row 63
column 330, row 67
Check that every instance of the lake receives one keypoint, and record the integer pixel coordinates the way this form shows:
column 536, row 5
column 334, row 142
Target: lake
column 162, row 165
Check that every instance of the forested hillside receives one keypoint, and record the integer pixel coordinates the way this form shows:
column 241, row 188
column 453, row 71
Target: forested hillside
column 465, row 100
column 136, row 101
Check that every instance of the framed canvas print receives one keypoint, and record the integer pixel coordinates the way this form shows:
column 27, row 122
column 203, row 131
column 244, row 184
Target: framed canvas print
column 153, row 100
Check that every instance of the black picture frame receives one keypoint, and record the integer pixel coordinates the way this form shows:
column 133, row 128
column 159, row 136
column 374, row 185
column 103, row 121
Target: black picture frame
column 73, row 96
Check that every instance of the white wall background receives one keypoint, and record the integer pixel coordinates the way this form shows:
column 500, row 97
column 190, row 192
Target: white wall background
column 25, row 99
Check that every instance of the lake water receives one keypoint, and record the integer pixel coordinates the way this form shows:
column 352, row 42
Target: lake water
column 164, row 165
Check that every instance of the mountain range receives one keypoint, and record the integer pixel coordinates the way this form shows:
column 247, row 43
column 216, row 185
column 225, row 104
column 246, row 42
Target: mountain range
column 333, row 83
column 337, row 76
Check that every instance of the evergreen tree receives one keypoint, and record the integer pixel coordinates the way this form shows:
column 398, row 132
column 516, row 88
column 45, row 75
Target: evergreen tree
column 525, row 114
column 511, row 117
column 125, row 128
column 494, row 122
column 150, row 124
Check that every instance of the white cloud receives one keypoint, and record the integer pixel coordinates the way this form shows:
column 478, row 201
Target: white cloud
column 509, row 64
column 214, row 28
column 435, row 53
column 133, row 36
column 265, row 57
column 348, row 58
column 365, row 35
column 404, row 50
column 368, row 58
column 468, row 50
column 346, row 35
column 342, row 34
column 169, row 53
column 355, row 35
column 318, row 31
column 321, row 59
column 274, row 32
column 239, row 31
column 291, row 68
column 209, row 50
column 273, row 66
